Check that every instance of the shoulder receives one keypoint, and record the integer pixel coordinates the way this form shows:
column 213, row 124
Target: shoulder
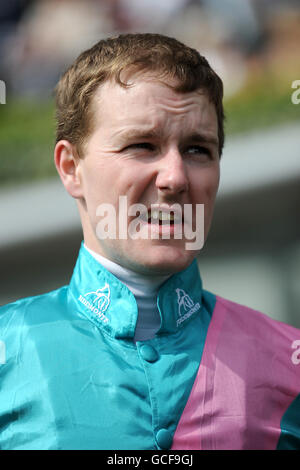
column 254, row 320
column 255, row 335
column 256, row 358
column 31, row 310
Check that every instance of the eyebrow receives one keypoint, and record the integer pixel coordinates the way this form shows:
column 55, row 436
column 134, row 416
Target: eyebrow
column 201, row 137
column 155, row 133
column 140, row 135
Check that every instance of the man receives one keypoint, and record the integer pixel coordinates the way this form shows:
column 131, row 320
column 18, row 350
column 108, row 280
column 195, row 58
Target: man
column 134, row 353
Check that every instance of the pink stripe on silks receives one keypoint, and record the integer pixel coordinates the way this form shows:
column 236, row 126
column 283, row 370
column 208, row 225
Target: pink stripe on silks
column 195, row 425
column 245, row 383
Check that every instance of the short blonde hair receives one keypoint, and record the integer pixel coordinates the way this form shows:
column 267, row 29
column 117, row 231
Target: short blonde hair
column 166, row 57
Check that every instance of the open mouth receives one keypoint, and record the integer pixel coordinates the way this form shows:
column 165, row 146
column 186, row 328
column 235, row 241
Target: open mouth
column 164, row 217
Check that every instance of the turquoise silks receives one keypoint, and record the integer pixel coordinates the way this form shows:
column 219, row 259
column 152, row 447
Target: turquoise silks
column 217, row 375
column 73, row 377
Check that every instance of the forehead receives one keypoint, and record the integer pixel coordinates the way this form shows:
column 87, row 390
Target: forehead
column 151, row 103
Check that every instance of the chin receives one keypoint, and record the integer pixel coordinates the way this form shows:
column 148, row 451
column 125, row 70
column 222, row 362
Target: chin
column 166, row 260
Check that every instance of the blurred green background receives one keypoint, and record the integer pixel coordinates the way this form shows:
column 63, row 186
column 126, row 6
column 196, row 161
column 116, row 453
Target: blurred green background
column 27, row 127
column 262, row 41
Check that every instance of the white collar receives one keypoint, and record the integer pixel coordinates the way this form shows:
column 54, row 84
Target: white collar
column 144, row 289
column 139, row 284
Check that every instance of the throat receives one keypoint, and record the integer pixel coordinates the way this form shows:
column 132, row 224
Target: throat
column 145, row 290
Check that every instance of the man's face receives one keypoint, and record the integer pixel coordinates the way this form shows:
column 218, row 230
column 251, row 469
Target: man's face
column 156, row 147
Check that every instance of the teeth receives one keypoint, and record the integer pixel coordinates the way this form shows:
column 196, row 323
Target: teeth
column 162, row 215
column 166, row 216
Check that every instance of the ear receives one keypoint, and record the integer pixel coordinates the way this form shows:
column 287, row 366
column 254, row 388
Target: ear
column 67, row 163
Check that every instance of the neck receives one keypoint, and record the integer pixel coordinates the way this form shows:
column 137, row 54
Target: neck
column 144, row 288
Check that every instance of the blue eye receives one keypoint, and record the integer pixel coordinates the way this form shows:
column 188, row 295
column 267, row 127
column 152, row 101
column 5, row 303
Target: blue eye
column 197, row 149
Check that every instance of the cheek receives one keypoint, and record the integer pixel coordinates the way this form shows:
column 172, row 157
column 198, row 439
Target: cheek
column 135, row 181
column 208, row 187
column 213, row 185
column 97, row 178
column 107, row 184
column 205, row 185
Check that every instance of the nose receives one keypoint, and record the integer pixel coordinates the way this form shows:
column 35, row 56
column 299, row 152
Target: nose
column 172, row 175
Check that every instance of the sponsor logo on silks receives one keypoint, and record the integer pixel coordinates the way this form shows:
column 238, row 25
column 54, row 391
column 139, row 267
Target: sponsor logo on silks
column 186, row 307
column 97, row 301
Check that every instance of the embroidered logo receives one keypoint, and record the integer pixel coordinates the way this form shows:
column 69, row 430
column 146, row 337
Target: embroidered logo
column 186, row 307
column 97, row 301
